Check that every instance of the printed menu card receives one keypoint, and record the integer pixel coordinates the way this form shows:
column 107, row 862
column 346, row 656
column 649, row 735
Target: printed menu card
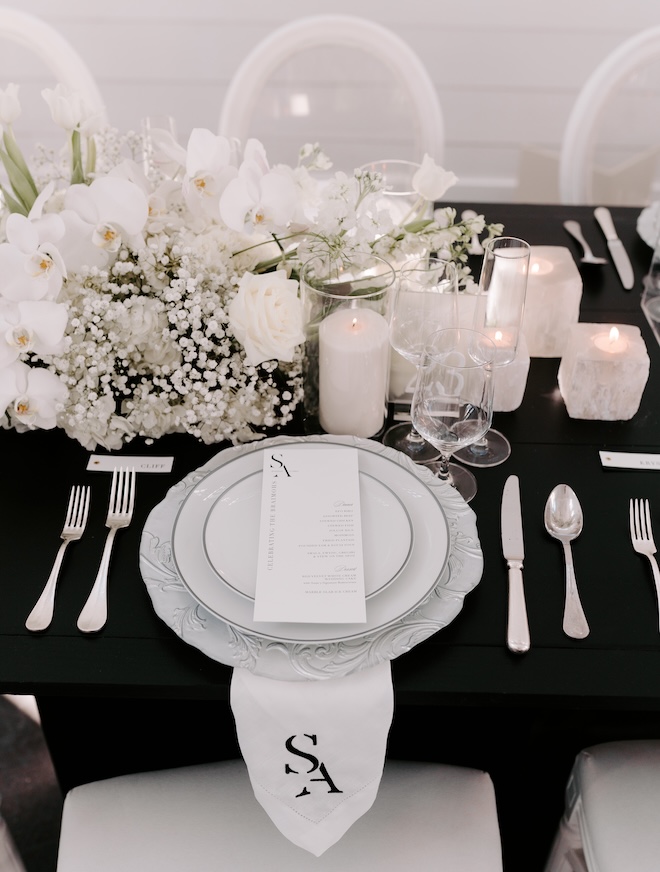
column 310, row 566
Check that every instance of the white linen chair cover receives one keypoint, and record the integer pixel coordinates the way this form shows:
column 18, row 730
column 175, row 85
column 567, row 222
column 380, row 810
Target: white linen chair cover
column 576, row 155
column 55, row 51
column 206, row 818
column 371, row 39
column 612, row 805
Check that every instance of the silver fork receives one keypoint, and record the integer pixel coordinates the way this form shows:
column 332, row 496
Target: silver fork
column 74, row 526
column 120, row 511
column 641, row 534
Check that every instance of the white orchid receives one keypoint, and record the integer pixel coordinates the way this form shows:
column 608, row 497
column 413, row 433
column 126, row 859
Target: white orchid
column 210, row 166
column 36, row 326
column 100, row 217
column 10, row 106
column 31, row 396
column 31, row 266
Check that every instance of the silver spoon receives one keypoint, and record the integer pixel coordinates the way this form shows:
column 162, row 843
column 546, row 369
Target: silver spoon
column 563, row 520
column 574, row 229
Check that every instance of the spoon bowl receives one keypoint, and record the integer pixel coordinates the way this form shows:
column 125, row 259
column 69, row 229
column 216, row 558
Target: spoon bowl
column 574, row 229
column 564, row 520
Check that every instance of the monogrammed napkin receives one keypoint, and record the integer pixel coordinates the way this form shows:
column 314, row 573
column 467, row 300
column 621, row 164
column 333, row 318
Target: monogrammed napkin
column 314, row 750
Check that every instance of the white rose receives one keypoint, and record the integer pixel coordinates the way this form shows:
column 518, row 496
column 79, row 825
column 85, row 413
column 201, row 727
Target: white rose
column 431, row 181
column 266, row 317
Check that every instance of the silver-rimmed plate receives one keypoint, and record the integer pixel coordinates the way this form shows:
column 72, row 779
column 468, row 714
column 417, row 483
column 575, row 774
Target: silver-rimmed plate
column 231, row 530
column 308, row 658
column 417, row 572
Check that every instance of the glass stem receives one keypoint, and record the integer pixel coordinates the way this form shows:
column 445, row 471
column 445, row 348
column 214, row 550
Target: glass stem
column 479, row 447
column 443, row 469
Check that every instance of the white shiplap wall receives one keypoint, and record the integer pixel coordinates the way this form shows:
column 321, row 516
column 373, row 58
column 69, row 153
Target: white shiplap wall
column 506, row 73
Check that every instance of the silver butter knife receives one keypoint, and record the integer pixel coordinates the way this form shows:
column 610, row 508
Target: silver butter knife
column 618, row 252
column 513, row 547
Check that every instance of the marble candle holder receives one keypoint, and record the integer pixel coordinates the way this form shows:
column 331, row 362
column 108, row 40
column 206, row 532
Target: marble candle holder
column 603, row 372
column 552, row 303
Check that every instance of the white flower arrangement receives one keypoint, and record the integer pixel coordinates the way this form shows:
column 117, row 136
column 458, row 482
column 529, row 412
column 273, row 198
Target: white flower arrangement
column 143, row 303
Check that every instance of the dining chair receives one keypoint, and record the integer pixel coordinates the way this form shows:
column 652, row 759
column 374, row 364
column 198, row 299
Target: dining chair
column 577, row 147
column 55, row 51
column 205, row 817
column 346, row 82
column 610, row 823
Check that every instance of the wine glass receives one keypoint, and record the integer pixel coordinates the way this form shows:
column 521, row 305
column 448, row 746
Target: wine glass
column 453, row 401
column 498, row 314
column 425, row 300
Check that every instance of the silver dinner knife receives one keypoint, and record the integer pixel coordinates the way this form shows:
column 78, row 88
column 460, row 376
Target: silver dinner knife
column 618, row 252
column 513, row 547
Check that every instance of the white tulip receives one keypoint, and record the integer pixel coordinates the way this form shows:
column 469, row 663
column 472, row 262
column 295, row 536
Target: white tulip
column 432, row 181
column 67, row 107
column 10, row 107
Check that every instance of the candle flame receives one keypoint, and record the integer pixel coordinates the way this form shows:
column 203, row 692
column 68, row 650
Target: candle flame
column 535, row 267
column 614, row 334
column 498, row 336
column 354, row 322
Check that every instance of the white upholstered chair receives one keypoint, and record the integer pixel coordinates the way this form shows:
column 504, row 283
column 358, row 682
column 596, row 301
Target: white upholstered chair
column 65, row 63
column 612, row 806
column 577, row 149
column 205, row 818
column 346, row 82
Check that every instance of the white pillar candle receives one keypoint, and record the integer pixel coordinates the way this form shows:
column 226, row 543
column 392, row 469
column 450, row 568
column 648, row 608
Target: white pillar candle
column 604, row 371
column 510, row 381
column 552, row 304
column 353, row 372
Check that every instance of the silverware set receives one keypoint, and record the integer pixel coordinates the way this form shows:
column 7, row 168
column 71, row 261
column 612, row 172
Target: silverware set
column 618, row 252
column 120, row 512
column 563, row 520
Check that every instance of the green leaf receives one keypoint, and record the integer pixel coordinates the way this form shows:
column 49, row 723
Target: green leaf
column 20, row 186
column 16, row 155
column 77, row 172
column 91, row 156
column 12, row 204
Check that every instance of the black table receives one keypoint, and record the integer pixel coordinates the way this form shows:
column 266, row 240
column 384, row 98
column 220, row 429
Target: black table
column 135, row 696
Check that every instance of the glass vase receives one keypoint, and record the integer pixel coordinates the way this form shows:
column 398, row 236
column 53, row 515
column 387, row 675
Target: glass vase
column 347, row 350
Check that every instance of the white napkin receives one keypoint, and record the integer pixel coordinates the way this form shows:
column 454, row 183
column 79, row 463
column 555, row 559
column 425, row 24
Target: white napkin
column 314, row 750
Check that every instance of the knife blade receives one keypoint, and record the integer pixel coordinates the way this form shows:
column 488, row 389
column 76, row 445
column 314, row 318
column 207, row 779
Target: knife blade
column 618, row 252
column 513, row 547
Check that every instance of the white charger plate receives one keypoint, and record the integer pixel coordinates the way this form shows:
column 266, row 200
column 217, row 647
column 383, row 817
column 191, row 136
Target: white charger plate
column 232, row 528
column 415, row 580
column 308, row 658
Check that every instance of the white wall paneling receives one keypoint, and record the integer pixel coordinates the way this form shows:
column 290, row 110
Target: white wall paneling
column 507, row 73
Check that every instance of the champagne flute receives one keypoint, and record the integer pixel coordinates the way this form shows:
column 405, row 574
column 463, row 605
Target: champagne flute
column 425, row 300
column 498, row 314
column 453, row 401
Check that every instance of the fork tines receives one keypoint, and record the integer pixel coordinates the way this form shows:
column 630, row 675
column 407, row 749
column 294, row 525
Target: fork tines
column 640, row 521
column 122, row 491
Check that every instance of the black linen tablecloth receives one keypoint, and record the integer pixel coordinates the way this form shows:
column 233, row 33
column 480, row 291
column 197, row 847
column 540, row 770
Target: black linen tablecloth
column 136, row 696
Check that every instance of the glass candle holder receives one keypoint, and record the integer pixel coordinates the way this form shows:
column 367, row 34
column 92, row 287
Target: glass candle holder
column 347, row 350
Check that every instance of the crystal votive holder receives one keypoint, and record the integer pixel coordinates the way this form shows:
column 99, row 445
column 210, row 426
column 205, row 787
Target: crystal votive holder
column 603, row 372
column 552, row 304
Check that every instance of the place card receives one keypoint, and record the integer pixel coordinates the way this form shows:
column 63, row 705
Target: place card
column 310, row 565
column 106, row 463
column 630, row 460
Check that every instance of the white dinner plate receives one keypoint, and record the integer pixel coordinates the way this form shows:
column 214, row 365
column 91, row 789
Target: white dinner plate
column 416, row 579
column 307, row 659
column 387, row 535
